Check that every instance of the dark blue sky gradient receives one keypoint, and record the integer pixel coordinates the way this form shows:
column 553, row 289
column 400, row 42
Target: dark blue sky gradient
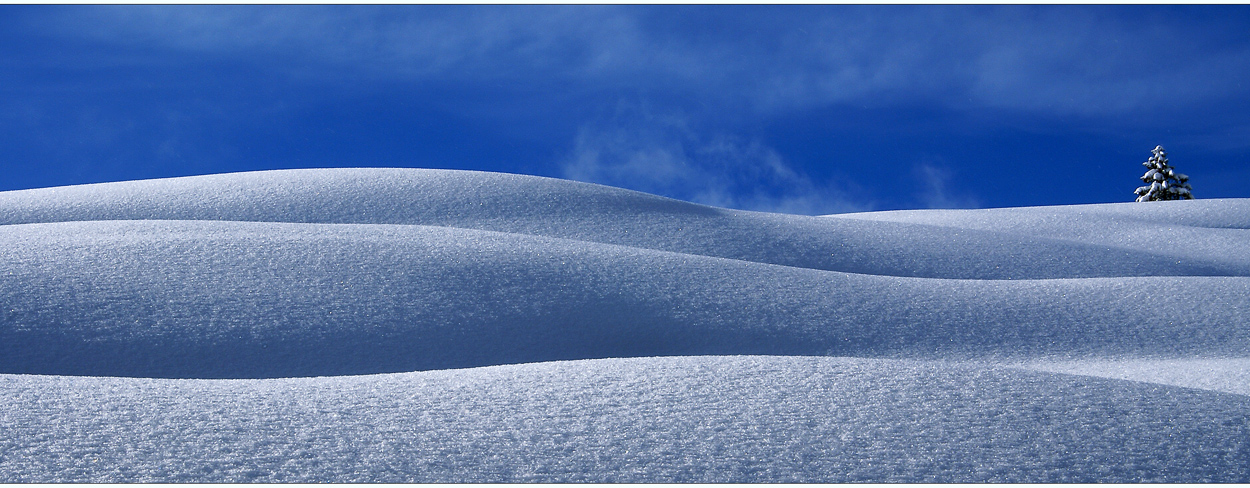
column 805, row 109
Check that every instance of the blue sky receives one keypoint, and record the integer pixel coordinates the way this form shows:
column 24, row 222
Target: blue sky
column 802, row 109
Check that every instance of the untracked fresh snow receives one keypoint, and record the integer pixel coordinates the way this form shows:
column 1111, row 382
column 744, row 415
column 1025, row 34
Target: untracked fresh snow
column 405, row 325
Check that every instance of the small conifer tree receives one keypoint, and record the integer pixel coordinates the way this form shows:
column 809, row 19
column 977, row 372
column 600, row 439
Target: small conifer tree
column 1162, row 182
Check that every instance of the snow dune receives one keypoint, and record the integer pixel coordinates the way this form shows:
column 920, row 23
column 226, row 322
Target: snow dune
column 548, row 207
column 310, row 325
column 689, row 419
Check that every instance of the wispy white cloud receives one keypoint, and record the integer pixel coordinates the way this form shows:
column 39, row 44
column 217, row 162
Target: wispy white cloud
column 1066, row 60
column 936, row 191
column 402, row 42
column 1056, row 60
column 662, row 153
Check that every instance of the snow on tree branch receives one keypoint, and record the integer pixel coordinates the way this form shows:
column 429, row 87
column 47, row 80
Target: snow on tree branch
column 1162, row 182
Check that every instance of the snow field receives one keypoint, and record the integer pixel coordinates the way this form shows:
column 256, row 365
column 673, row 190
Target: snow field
column 311, row 325
column 1229, row 375
column 548, row 207
column 688, row 419
column 212, row 299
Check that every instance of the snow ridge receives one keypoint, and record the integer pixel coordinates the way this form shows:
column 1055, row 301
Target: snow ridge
column 718, row 419
column 557, row 208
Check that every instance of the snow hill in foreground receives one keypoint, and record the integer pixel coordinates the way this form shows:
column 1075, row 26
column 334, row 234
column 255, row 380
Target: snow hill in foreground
column 315, row 325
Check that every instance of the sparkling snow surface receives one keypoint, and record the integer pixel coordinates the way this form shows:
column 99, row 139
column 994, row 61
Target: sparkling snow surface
column 398, row 325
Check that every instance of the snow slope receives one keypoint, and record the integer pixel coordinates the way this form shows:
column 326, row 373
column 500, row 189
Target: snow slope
column 309, row 325
column 701, row 419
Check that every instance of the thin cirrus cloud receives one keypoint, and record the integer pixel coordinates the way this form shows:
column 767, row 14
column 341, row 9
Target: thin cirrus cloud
column 1053, row 61
column 1048, row 59
column 711, row 75
column 663, row 153
column 406, row 43
column 935, row 187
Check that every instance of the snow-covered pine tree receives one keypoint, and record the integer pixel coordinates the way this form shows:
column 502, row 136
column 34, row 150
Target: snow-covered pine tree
column 1162, row 182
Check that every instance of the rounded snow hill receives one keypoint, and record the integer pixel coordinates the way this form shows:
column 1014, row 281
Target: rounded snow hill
column 690, row 419
column 549, row 207
column 212, row 299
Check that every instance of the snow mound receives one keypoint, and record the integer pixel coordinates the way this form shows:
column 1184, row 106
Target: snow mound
column 1229, row 375
column 211, row 299
column 558, row 208
column 710, row 419
column 1212, row 230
